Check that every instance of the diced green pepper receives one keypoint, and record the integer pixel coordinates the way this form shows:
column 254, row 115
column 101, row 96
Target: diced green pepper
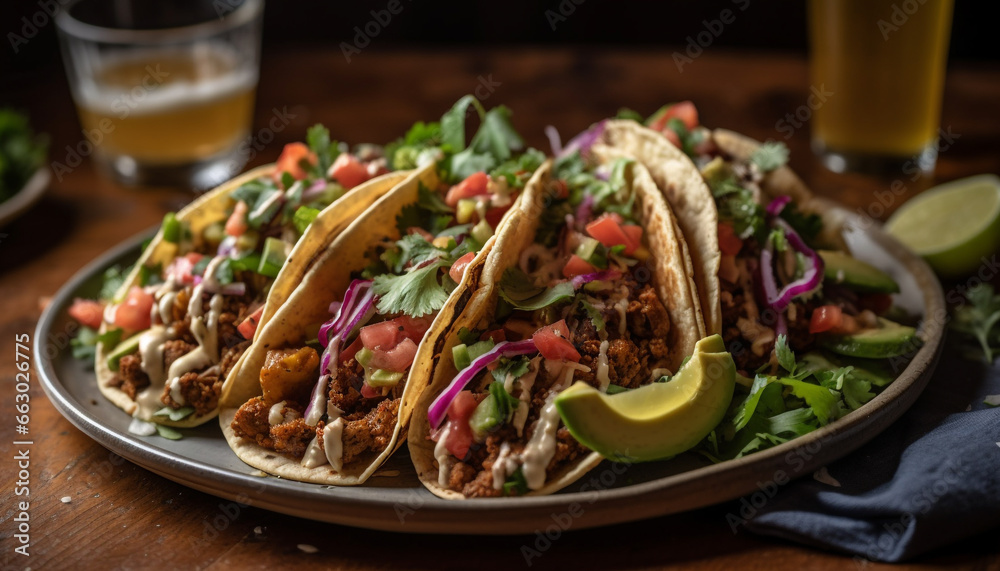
column 248, row 261
column 273, row 257
column 364, row 356
column 482, row 231
column 172, row 229
column 494, row 411
column 384, row 378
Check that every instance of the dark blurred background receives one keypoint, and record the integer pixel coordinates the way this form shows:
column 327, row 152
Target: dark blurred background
column 772, row 25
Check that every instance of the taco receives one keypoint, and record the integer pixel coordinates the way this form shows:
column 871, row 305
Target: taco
column 218, row 268
column 805, row 321
column 326, row 403
column 590, row 281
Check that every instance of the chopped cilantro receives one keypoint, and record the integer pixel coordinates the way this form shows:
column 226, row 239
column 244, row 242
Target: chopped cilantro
column 416, row 292
column 318, row 138
column 630, row 115
column 518, row 289
column 786, row 358
column 978, row 322
column 770, row 156
column 807, row 225
column 513, row 366
column 411, row 249
column 303, row 217
column 112, row 280
column 516, row 484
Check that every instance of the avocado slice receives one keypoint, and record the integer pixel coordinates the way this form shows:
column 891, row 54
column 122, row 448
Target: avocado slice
column 716, row 172
column 841, row 268
column 889, row 339
column 655, row 421
column 126, row 347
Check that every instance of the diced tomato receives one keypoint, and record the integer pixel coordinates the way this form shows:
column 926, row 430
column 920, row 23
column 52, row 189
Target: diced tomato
column 560, row 189
column 133, row 313
column 348, row 171
column 729, row 242
column 388, row 334
column 577, row 266
column 474, row 185
column 497, row 335
column 608, row 231
column 459, row 431
column 88, row 312
column 397, row 359
column 248, row 327
column 237, row 223
column 370, row 392
column 824, row 318
column 685, row 111
column 291, row 159
column 553, row 342
column 351, row 350
column 878, row 303
column 495, row 215
column 634, row 234
column 831, row 319
column 458, row 268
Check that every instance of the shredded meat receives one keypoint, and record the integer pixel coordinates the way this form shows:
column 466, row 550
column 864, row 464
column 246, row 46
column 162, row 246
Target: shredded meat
column 250, row 422
column 345, row 390
column 175, row 349
column 230, row 356
column 200, row 391
column 290, row 438
column 372, row 432
column 130, row 378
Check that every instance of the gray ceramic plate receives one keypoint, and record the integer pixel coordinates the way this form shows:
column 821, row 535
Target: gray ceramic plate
column 395, row 500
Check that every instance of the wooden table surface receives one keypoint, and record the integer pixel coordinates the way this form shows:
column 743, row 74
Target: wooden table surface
column 122, row 516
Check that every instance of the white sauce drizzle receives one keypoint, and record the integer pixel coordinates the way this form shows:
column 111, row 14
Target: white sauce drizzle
column 175, row 391
column 504, row 466
column 314, row 456
column 151, row 354
column 658, row 372
column 333, row 443
column 542, row 445
column 526, row 382
column 622, row 306
column 260, row 210
column 602, row 367
column 274, row 415
column 443, row 458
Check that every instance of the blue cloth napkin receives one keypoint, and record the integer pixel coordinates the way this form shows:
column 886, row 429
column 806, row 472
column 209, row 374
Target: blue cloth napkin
column 930, row 479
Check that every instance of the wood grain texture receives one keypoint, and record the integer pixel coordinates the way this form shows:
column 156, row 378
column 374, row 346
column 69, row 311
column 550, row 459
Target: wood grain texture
column 123, row 517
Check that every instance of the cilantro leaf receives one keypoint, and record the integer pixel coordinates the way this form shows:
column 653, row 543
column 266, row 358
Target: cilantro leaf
column 770, row 156
column 595, row 316
column 429, row 212
column 519, row 290
column 978, row 320
column 808, row 225
column 630, row 115
column 112, row 280
column 822, row 400
column 518, row 170
column 416, row 293
column 786, row 358
column 453, row 121
column 411, row 249
column 303, row 217
column 318, row 139
column 513, row 366
column 516, row 484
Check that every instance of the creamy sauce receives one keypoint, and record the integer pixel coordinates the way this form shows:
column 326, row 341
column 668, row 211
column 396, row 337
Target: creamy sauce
column 622, row 306
column 151, row 354
column 141, row 427
column 274, row 415
column 164, row 307
column 332, row 412
column 175, row 391
column 333, row 443
column 505, row 465
column 658, row 372
column 260, row 210
column 602, row 367
column 443, row 458
column 542, row 445
column 315, row 407
column 570, row 368
column 526, row 382
column 314, row 456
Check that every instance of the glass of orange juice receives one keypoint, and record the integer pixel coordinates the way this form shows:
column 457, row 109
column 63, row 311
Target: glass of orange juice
column 164, row 90
column 883, row 63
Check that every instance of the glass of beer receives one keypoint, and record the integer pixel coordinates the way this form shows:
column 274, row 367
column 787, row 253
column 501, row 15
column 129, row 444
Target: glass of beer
column 883, row 64
column 164, row 90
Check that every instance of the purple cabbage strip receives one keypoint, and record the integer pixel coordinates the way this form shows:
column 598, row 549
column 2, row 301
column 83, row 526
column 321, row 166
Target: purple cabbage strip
column 554, row 140
column 778, row 204
column 438, row 408
column 314, row 412
column 584, row 211
column 812, row 277
column 580, row 280
column 584, row 140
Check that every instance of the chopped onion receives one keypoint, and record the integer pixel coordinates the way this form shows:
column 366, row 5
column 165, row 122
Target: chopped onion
column 236, row 288
column 579, row 281
column 583, row 212
column 227, row 247
column 583, row 141
column 778, row 204
column 314, row 190
column 438, row 408
column 811, row 279
column 554, row 140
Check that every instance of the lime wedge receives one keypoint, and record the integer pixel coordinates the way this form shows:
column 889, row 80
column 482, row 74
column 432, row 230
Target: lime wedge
column 953, row 225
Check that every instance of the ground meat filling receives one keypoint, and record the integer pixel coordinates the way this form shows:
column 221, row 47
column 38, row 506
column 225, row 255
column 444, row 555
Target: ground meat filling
column 200, row 389
column 632, row 358
column 369, row 423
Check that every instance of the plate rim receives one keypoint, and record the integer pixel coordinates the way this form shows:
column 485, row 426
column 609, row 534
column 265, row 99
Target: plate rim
column 661, row 496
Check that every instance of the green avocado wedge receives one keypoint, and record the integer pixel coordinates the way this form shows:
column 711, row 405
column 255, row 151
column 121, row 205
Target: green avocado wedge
column 842, row 268
column 655, row 421
column 889, row 339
